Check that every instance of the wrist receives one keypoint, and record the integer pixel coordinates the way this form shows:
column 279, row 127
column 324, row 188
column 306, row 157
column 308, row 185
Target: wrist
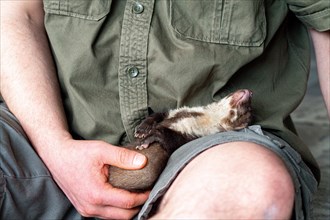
column 50, row 145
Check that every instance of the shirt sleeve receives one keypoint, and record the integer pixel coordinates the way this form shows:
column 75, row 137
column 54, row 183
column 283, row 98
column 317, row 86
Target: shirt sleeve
column 313, row 13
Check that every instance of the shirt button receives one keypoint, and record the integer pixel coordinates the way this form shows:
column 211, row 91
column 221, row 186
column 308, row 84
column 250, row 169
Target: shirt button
column 132, row 71
column 137, row 8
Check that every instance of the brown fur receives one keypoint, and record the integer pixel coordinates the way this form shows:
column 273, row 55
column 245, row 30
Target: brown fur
column 143, row 179
column 156, row 140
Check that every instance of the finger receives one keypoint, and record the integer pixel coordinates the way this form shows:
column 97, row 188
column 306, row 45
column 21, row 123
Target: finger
column 117, row 213
column 123, row 158
column 109, row 212
column 122, row 199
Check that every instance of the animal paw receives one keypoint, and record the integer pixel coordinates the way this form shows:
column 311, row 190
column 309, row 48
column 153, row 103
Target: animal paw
column 148, row 125
column 147, row 141
column 142, row 146
column 143, row 130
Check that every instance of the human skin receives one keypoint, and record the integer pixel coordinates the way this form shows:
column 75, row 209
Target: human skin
column 243, row 181
column 321, row 41
column 34, row 99
column 30, row 88
column 236, row 172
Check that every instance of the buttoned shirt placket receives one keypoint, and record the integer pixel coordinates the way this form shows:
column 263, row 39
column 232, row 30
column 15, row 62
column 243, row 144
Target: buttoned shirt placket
column 132, row 75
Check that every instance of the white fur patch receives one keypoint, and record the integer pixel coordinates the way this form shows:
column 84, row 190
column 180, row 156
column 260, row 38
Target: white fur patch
column 209, row 122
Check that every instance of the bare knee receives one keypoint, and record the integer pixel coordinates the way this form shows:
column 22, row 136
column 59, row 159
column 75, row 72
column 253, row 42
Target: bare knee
column 234, row 180
column 276, row 193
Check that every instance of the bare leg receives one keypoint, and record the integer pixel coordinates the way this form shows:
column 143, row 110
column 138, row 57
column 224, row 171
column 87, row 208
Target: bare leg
column 231, row 181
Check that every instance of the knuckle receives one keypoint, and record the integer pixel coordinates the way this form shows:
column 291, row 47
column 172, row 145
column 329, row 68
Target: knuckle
column 94, row 198
column 124, row 157
column 85, row 211
column 88, row 212
column 129, row 204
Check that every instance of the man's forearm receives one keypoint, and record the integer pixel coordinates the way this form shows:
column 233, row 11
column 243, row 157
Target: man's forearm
column 321, row 41
column 28, row 81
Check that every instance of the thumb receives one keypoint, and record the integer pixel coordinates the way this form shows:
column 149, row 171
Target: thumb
column 124, row 158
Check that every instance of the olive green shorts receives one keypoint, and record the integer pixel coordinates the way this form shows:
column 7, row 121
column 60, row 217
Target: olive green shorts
column 27, row 190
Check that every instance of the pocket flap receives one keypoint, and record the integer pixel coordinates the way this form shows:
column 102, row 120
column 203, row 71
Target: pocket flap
column 91, row 9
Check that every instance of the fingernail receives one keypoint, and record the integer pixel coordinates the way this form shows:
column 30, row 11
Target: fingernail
column 139, row 160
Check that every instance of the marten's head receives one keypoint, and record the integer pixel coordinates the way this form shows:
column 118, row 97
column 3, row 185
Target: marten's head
column 235, row 110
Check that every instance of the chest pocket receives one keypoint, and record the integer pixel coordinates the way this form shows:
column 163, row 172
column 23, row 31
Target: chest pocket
column 85, row 9
column 234, row 22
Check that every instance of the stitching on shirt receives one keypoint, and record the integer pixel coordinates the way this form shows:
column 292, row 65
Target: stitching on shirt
column 59, row 8
column 133, row 52
column 213, row 39
column 316, row 14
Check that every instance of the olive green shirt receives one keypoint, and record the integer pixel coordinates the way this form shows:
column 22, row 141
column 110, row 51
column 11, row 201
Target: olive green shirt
column 119, row 60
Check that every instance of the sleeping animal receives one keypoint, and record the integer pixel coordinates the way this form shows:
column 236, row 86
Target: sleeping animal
column 160, row 134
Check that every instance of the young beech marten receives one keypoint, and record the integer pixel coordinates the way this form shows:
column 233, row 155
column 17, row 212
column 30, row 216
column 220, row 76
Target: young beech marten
column 160, row 134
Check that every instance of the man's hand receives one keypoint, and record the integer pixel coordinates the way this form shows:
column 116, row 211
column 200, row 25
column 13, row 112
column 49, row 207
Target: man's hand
column 30, row 88
column 81, row 170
